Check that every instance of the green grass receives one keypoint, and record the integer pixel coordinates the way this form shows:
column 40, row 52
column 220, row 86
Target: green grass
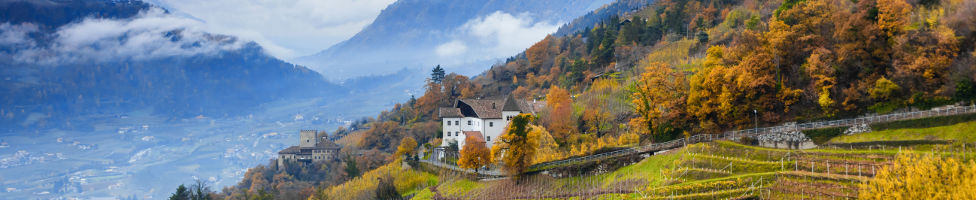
column 924, row 122
column 821, row 136
column 457, row 187
column 423, row 194
column 961, row 132
column 648, row 169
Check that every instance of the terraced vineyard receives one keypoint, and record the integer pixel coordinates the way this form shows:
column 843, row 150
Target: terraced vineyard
column 720, row 170
column 713, row 170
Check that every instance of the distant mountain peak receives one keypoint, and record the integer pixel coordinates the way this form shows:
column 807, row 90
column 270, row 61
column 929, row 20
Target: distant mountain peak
column 408, row 32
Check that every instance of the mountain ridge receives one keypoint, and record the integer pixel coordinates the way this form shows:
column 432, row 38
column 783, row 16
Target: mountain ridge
column 64, row 63
column 407, row 32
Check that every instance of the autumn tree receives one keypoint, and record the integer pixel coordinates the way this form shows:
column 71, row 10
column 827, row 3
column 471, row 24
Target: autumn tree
column 408, row 146
column 708, row 100
column 914, row 176
column 604, row 102
column 559, row 119
column 433, row 98
column 818, row 68
column 884, row 89
column 474, row 154
column 517, row 146
column 658, row 98
column 892, row 15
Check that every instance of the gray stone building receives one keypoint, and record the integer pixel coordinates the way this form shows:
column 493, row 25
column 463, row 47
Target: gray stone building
column 313, row 146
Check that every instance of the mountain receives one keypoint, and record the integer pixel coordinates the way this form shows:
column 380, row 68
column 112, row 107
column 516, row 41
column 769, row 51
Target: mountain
column 615, row 8
column 78, row 58
column 422, row 33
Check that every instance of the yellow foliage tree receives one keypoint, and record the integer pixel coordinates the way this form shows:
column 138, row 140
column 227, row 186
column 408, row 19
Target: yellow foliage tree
column 884, row 89
column 408, row 146
column 474, row 154
column 914, row 176
column 893, row 15
column 658, row 97
column 517, row 146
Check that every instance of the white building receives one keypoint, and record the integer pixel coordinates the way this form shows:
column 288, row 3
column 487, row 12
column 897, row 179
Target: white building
column 484, row 119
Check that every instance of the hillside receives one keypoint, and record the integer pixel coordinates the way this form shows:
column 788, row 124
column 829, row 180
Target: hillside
column 676, row 69
column 709, row 170
column 60, row 62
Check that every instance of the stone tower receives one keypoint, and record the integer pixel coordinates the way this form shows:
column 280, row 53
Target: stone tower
column 307, row 139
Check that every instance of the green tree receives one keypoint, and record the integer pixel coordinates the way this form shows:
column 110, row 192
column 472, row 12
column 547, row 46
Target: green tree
column 437, row 74
column 351, row 170
column 181, row 193
column 200, row 191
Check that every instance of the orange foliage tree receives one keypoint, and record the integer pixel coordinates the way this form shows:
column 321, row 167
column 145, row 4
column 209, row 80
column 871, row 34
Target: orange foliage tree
column 560, row 117
column 474, row 154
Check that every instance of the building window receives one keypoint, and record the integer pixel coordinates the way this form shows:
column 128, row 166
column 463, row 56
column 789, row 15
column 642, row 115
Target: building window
column 457, row 122
column 449, row 134
column 489, row 138
column 469, row 122
column 491, row 124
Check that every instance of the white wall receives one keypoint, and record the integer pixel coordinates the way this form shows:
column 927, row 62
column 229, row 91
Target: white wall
column 453, row 129
column 476, row 125
column 493, row 131
column 506, row 114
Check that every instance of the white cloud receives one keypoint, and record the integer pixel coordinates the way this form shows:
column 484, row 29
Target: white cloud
column 452, row 48
column 151, row 34
column 287, row 29
column 16, row 35
column 497, row 35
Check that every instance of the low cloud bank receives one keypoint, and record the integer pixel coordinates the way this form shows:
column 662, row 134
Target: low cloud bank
column 152, row 34
column 497, row 35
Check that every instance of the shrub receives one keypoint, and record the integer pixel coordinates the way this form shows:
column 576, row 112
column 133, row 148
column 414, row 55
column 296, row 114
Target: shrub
column 914, row 176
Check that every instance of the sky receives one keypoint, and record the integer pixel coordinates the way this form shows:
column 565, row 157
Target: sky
column 285, row 28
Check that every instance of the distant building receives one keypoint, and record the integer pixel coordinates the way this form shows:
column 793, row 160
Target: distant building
column 484, row 119
column 312, row 147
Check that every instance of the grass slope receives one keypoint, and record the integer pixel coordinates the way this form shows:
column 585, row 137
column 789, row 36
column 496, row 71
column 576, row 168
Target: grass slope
column 714, row 170
column 961, row 132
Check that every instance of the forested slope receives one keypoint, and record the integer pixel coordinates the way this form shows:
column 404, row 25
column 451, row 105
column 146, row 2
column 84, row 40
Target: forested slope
column 677, row 68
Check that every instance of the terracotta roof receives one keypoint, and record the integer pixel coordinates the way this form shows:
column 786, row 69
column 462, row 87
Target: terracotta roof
column 449, row 112
column 476, row 134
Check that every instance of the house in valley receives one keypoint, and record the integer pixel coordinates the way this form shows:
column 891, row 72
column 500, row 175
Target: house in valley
column 484, row 119
column 313, row 147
